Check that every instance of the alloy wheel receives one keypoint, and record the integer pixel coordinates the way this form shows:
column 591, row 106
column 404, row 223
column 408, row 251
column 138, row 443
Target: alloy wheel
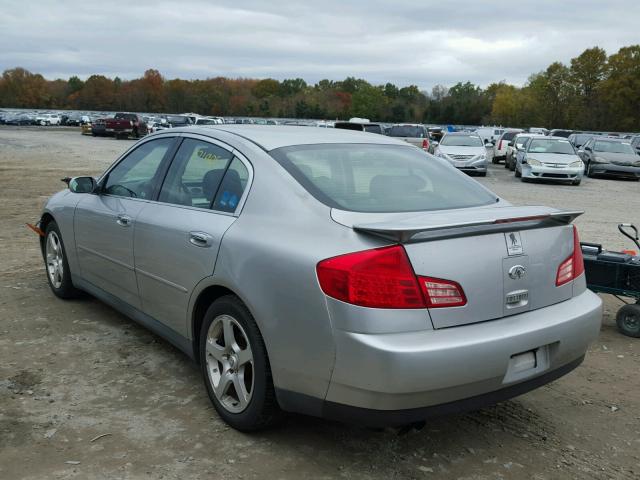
column 55, row 260
column 229, row 363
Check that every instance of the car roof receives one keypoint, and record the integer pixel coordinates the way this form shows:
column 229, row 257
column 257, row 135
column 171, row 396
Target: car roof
column 270, row 137
column 465, row 134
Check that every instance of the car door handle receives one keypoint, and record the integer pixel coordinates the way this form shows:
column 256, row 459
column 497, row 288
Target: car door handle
column 200, row 239
column 123, row 220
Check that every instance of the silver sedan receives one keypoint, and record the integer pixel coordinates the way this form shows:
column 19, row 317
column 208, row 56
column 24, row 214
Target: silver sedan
column 328, row 272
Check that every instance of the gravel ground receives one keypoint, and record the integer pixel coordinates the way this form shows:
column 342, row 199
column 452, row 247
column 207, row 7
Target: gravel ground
column 86, row 393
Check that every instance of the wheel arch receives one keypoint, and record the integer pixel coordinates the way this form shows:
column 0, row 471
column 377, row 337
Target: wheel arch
column 200, row 306
column 45, row 220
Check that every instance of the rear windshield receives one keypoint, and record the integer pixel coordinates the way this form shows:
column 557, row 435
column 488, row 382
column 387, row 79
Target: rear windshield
column 613, row 147
column 509, row 135
column 176, row 119
column 380, row 178
column 406, row 131
column 551, row 146
column 373, row 128
column 461, row 141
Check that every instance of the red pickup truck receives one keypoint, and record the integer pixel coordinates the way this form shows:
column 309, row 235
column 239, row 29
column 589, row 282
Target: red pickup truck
column 125, row 124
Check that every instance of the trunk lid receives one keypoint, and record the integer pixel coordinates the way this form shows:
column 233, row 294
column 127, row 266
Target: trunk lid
column 505, row 258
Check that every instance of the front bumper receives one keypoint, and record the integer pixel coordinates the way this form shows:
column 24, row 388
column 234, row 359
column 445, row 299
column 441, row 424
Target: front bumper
column 561, row 174
column 419, row 371
column 470, row 166
column 615, row 170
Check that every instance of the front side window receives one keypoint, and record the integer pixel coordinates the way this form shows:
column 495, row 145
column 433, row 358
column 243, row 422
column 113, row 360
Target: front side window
column 136, row 175
column 461, row 141
column 380, row 178
column 195, row 174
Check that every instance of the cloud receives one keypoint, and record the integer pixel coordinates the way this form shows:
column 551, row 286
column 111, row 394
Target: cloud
column 404, row 42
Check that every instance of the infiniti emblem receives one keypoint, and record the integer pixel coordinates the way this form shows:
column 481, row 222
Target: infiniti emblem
column 517, row 272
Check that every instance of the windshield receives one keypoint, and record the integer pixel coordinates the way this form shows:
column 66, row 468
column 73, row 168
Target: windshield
column 206, row 121
column 380, row 178
column 406, row 131
column 551, row 146
column 461, row 141
column 613, row 147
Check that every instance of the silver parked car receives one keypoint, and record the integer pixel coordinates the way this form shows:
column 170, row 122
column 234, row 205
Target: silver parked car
column 465, row 151
column 327, row 272
column 412, row 133
column 549, row 158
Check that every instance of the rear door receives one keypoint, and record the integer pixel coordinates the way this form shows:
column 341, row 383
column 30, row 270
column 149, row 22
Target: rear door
column 104, row 223
column 178, row 237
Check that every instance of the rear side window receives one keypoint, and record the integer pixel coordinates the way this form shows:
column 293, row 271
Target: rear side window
column 195, row 174
column 232, row 187
column 380, row 178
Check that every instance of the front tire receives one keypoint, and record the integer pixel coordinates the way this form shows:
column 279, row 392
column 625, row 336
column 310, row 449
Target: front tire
column 628, row 320
column 589, row 172
column 518, row 173
column 235, row 367
column 57, row 267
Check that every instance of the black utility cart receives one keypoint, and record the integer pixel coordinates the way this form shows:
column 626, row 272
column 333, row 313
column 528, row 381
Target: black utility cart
column 617, row 273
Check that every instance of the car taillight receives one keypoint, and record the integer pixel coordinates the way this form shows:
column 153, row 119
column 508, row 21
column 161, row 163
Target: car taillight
column 379, row 278
column 442, row 293
column 573, row 266
column 384, row 278
column 500, row 145
column 425, row 144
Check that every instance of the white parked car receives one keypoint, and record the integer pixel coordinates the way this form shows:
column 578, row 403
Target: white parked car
column 500, row 147
column 48, row 119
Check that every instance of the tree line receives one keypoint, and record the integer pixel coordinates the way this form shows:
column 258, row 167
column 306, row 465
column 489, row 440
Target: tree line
column 593, row 92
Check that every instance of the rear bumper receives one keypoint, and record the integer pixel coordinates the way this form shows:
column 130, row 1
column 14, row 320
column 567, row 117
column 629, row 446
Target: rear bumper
column 387, row 418
column 615, row 170
column 423, row 372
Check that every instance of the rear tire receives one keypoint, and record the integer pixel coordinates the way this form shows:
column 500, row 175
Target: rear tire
column 628, row 320
column 233, row 357
column 56, row 265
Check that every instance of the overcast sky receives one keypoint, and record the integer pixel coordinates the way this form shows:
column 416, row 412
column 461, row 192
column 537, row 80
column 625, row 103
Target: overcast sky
column 405, row 42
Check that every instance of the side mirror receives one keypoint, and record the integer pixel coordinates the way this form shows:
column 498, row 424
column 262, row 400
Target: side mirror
column 588, row 149
column 510, row 144
column 82, row 184
column 435, row 143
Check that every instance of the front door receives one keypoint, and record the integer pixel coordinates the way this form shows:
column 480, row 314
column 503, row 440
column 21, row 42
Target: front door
column 104, row 223
column 177, row 239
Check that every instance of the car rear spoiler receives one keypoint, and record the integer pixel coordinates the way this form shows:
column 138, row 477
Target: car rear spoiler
column 438, row 226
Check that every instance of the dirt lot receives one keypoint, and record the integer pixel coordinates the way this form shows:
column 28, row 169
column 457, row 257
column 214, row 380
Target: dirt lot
column 72, row 371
